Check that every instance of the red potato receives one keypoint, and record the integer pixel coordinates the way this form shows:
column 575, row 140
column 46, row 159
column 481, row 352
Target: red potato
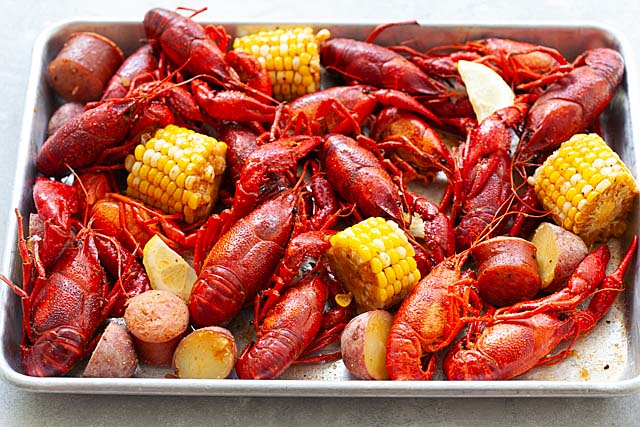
column 114, row 356
column 364, row 345
column 83, row 67
column 507, row 270
column 208, row 352
column 157, row 320
column 66, row 112
column 559, row 251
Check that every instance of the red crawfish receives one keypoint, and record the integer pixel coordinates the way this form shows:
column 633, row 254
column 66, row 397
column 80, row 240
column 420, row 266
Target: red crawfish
column 412, row 145
column 485, row 189
column 287, row 330
column 65, row 302
column 344, row 109
column 99, row 132
column 521, row 337
column 359, row 177
column 187, row 44
column 429, row 319
column 139, row 63
column 572, row 102
column 378, row 66
column 242, row 261
column 200, row 51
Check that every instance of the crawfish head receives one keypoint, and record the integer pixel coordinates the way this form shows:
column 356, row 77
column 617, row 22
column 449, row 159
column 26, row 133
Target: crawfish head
column 268, row 169
column 359, row 177
column 377, row 66
column 187, row 44
column 242, row 261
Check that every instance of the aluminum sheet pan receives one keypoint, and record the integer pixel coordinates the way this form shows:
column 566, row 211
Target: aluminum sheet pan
column 605, row 363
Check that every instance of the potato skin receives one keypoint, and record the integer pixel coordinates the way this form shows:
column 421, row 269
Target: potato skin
column 114, row 356
column 366, row 362
column 208, row 352
column 66, row 112
column 559, row 253
column 157, row 320
column 83, row 67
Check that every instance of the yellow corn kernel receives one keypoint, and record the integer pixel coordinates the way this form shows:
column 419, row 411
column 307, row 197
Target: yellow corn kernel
column 586, row 188
column 175, row 158
column 372, row 261
column 293, row 52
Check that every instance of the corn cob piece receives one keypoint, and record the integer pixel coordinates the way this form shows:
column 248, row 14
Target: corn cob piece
column 177, row 171
column 587, row 188
column 375, row 262
column 291, row 56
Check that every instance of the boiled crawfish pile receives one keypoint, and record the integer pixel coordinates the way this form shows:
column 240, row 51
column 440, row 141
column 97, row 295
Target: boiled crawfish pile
column 298, row 171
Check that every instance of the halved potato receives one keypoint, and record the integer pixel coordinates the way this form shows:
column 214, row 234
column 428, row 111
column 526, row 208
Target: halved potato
column 364, row 345
column 559, row 253
column 208, row 352
column 114, row 355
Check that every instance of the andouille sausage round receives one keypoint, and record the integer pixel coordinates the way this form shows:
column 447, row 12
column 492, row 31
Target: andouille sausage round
column 83, row 67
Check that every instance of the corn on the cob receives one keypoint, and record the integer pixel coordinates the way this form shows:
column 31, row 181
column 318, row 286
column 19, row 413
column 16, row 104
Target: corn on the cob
column 177, row 171
column 375, row 262
column 587, row 188
column 291, row 56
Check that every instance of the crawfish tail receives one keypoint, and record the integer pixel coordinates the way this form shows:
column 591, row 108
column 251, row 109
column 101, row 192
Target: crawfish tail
column 55, row 352
column 140, row 62
column 286, row 332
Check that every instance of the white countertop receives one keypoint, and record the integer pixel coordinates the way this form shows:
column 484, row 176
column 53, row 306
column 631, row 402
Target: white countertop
column 20, row 24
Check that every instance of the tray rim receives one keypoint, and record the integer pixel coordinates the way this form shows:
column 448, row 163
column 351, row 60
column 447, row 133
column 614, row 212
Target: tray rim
column 327, row 388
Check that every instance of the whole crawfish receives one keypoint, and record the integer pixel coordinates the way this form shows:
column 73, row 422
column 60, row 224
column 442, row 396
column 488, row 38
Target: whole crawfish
column 292, row 321
column 521, row 337
column 344, row 109
column 572, row 102
column 429, row 319
column 287, row 330
column 485, row 190
column 377, row 66
column 88, row 139
column 201, row 51
column 65, row 301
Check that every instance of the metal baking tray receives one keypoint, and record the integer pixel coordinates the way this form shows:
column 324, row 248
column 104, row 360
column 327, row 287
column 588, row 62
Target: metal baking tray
column 605, row 363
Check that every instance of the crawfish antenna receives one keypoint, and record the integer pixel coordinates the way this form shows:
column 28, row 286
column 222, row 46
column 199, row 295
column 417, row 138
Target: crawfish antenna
column 380, row 28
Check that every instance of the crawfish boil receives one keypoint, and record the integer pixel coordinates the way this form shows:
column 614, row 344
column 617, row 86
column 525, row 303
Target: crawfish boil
column 444, row 213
